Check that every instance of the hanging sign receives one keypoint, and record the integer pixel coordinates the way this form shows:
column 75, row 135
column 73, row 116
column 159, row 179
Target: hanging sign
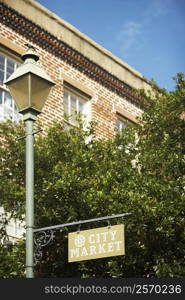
column 96, row 243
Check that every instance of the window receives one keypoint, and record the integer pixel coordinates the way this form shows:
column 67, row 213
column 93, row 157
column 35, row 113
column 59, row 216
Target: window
column 75, row 104
column 8, row 109
column 14, row 229
column 122, row 122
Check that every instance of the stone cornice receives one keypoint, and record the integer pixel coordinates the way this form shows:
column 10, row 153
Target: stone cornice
column 52, row 44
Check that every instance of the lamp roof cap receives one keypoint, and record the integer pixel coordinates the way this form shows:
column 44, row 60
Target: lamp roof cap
column 30, row 66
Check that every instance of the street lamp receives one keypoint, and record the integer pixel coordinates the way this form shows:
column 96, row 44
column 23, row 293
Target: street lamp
column 29, row 86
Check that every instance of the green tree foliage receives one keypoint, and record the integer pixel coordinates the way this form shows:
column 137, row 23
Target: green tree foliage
column 79, row 177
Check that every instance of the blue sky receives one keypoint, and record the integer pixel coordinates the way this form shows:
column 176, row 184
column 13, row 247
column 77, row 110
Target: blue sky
column 149, row 35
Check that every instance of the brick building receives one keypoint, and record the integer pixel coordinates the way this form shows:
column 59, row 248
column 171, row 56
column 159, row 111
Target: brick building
column 89, row 79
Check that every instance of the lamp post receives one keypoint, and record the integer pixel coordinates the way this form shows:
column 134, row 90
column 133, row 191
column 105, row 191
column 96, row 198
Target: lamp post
column 29, row 85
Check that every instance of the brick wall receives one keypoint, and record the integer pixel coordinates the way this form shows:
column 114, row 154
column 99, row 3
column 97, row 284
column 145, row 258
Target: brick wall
column 104, row 103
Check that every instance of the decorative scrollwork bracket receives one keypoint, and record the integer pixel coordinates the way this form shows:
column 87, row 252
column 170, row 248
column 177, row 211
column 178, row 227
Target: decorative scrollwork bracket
column 42, row 239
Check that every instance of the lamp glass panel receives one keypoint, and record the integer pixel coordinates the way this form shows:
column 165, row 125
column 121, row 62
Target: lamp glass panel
column 19, row 91
column 40, row 89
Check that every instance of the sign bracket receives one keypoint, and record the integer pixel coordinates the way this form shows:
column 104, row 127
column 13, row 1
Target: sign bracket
column 43, row 236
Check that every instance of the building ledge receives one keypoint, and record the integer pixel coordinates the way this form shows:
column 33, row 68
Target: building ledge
column 67, row 33
column 30, row 19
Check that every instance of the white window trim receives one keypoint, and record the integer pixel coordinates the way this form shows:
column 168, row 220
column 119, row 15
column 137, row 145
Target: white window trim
column 122, row 118
column 87, row 105
column 4, row 88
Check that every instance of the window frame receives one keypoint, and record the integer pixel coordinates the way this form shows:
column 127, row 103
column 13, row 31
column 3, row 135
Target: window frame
column 69, row 118
column 120, row 117
column 4, row 90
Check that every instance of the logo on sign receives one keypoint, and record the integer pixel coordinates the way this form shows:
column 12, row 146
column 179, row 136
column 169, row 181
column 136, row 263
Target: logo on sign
column 79, row 240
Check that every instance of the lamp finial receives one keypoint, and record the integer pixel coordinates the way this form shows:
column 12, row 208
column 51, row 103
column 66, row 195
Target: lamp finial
column 30, row 54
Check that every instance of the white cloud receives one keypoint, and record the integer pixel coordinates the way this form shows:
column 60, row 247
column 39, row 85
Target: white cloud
column 154, row 10
column 158, row 8
column 132, row 33
column 128, row 35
